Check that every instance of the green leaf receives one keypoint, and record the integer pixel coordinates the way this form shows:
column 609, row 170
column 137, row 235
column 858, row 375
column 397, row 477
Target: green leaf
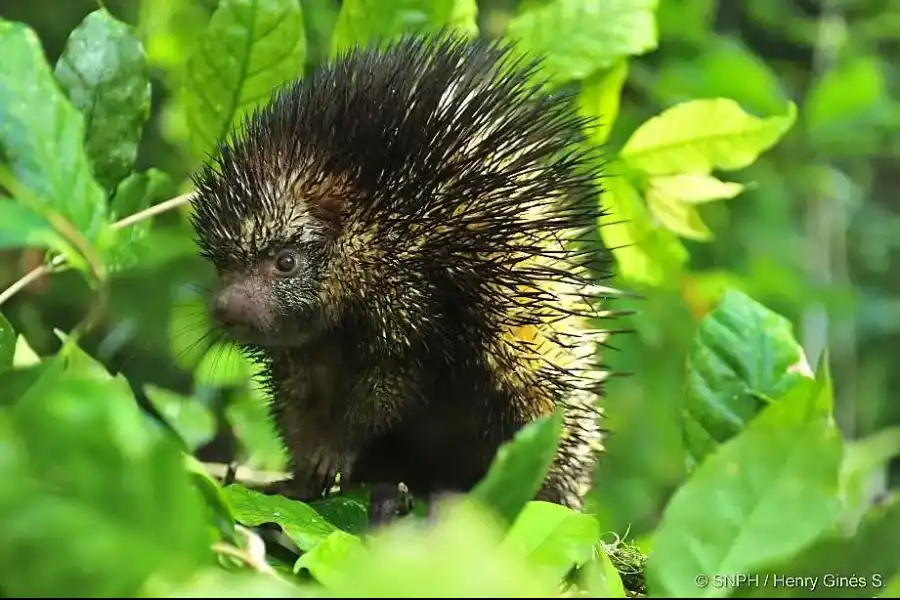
column 671, row 200
column 135, row 193
column 645, row 252
column 365, row 21
column 861, row 460
column 758, row 500
column 694, row 189
column 22, row 227
column 599, row 99
column 300, row 522
column 459, row 555
column 169, row 29
column 678, row 217
column 552, row 538
column 249, row 49
column 7, row 343
column 25, row 356
column 96, row 482
column 215, row 582
column 347, row 511
column 601, row 577
column 43, row 134
column 578, row 37
column 841, row 567
column 698, row 136
column 519, row 467
column 103, row 70
column 743, row 355
column 254, row 428
column 709, row 72
column 223, row 364
column 192, row 420
column 847, row 104
column 327, row 561
column 686, row 20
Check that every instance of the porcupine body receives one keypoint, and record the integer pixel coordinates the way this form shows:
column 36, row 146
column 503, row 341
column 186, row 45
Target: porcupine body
column 398, row 238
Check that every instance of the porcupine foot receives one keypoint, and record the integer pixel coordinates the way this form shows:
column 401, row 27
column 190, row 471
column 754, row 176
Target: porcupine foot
column 315, row 480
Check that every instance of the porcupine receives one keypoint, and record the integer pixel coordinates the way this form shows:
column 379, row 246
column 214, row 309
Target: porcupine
column 400, row 242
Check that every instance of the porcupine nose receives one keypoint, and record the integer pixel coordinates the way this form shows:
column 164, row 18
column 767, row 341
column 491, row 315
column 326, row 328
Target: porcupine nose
column 233, row 306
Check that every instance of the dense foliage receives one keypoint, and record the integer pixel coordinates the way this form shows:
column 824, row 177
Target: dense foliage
column 732, row 467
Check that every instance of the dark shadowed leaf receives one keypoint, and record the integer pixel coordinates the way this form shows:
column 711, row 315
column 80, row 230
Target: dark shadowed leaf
column 7, row 343
column 519, row 468
column 552, row 538
column 349, row 511
column 743, row 355
column 100, row 488
column 42, row 136
column 103, row 70
column 299, row 521
column 365, row 21
column 757, row 500
column 249, row 48
column 578, row 37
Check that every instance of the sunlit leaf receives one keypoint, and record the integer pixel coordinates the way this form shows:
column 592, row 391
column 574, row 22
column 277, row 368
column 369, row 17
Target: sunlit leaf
column 367, row 21
column 698, row 136
column 578, row 37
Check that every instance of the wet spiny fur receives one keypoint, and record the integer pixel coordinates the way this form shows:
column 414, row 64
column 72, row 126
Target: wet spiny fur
column 437, row 201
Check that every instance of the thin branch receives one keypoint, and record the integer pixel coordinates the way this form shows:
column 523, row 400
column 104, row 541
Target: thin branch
column 152, row 211
column 57, row 264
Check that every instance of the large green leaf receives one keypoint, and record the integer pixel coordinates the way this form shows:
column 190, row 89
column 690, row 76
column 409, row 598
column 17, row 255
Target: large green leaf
column 519, row 467
column 459, row 555
column 758, row 500
column 104, row 72
column 552, row 538
column 42, row 134
column 698, row 136
column 743, row 355
column 327, row 562
column 365, row 21
column 100, row 500
column 838, row 567
column 249, row 49
column 578, row 37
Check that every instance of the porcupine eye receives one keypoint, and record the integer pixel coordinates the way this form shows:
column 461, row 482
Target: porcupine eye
column 286, row 263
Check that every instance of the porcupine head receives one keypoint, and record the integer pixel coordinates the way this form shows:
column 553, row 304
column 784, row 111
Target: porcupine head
column 399, row 238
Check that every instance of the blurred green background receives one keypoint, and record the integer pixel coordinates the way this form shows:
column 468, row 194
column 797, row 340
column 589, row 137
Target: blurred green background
column 813, row 237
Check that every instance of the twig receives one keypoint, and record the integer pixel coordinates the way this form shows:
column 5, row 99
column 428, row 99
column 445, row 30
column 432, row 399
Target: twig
column 57, row 264
column 152, row 211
